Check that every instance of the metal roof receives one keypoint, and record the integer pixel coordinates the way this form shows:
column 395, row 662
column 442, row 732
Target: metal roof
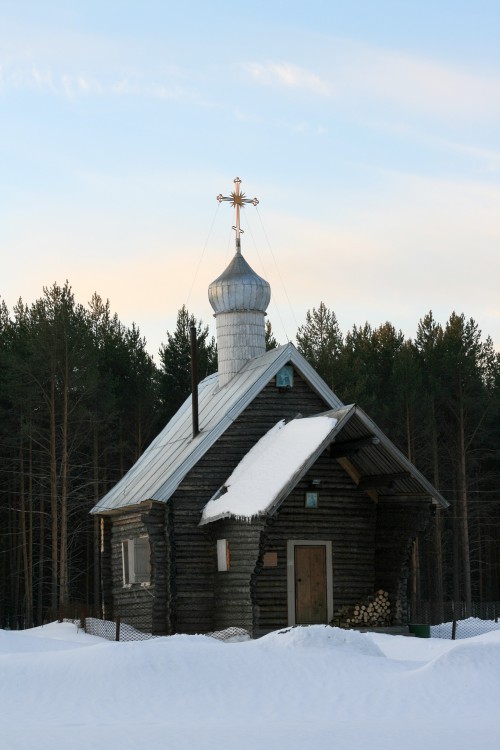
column 379, row 458
column 374, row 459
column 174, row 452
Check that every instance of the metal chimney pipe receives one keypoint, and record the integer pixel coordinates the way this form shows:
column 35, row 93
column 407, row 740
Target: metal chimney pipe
column 194, row 382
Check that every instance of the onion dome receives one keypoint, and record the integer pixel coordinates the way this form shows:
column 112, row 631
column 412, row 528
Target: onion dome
column 239, row 288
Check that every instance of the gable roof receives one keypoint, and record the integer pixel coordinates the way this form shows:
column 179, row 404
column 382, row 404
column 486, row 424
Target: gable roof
column 174, row 452
column 279, row 460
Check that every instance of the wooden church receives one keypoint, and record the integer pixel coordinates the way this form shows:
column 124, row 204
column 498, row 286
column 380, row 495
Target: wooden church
column 265, row 501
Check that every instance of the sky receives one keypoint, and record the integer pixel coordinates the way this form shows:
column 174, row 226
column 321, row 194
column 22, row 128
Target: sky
column 368, row 131
column 305, row 687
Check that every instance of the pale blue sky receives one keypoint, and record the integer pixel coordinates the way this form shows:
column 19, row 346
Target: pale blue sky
column 368, row 130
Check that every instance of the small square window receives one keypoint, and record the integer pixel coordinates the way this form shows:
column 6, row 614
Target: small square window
column 311, row 499
column 284, row 378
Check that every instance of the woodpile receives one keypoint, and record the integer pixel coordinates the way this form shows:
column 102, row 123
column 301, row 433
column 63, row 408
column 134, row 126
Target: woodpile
column 374, row 611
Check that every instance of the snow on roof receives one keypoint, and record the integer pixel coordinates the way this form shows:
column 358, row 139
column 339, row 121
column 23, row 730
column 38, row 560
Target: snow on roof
column 269, row 468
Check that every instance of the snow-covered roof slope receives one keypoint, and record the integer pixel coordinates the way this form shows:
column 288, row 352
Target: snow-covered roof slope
column 279, row 460
column 164, row 464
column 269, row 468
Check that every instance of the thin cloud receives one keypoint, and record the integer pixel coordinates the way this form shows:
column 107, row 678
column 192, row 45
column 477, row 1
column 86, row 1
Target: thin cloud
column 72, row 85
column 351, row 72
column 288, row 75
column 487, row 158
column 422, row 84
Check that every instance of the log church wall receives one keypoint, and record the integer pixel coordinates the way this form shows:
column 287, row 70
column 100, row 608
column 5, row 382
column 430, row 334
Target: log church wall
column 193, row 548
column 345, row 516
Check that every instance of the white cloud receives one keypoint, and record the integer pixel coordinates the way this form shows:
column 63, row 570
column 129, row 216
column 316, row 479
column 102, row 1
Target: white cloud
column 246, row 116
column 351, row 71
column 42, row 78
column 288, row 75
column 74, row 84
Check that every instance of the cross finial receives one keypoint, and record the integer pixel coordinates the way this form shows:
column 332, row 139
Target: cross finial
column 237, row 200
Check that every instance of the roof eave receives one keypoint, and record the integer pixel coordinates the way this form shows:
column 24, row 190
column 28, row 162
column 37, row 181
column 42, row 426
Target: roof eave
column 405, row 463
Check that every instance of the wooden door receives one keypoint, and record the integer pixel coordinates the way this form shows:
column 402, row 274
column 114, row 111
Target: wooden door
column 310, row 585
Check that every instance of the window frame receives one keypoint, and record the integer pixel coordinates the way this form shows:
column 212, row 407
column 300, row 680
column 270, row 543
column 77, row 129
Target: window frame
column 131, row 557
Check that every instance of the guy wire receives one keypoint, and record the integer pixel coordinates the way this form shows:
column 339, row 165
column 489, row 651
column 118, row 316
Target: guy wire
column 275, row 306
column 277, row 268
column 202, row 255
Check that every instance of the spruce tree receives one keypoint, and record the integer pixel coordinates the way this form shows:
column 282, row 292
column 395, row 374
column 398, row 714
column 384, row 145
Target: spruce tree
column 319, row 340
column 175, row 359
column 271, row 342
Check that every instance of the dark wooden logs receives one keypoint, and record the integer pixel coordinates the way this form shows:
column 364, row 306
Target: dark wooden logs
column 194, row 574
column 345, row 516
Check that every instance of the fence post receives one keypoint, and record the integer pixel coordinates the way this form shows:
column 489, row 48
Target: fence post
column 454, row 621
column 117, row 637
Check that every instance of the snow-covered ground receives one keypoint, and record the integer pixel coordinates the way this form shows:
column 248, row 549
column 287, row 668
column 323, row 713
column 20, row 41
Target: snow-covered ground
column 312, row 688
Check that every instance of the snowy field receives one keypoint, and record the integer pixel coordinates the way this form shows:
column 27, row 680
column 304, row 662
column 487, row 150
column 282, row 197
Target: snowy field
column 314, row 688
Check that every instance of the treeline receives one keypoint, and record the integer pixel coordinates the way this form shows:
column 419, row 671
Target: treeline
column 437, row 396
column 80, row 399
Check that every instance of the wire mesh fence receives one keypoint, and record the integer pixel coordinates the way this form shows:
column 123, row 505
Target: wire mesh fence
column 436, row 612
column 118, row 630
column 449, row 619
column 115, row 630
column 230, row 635
column 454, row 619
column 468, row 628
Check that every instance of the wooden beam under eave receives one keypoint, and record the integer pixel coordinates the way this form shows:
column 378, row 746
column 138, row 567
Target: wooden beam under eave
column 356, row 477
column 348, row 447
column 402, row 496
column 385, row 481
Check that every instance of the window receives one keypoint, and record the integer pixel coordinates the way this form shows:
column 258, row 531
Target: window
column 311, row 500
column 284, row 378
column 136, row 560
column 223, row 558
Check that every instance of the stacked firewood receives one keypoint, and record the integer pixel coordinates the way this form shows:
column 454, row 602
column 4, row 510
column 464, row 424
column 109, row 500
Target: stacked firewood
column 374, row 611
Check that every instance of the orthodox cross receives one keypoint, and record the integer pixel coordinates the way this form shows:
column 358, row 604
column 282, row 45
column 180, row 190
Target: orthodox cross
column 237, row 200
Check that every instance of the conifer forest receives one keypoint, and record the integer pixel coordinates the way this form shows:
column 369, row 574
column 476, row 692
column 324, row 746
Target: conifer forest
column 81, row 398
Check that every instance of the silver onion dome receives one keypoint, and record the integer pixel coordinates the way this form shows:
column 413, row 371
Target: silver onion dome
column 239, row 288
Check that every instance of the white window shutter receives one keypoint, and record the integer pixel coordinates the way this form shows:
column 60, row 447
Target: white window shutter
column 127, row 569
column 142, row 565
column 222, row 554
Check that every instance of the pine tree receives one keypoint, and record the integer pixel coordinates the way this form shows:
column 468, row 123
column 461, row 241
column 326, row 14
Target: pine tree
column 428, row 344
column 271, row 342
column 319, row 340
column 175, row 358
column 468, row 401
column 369, row 360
